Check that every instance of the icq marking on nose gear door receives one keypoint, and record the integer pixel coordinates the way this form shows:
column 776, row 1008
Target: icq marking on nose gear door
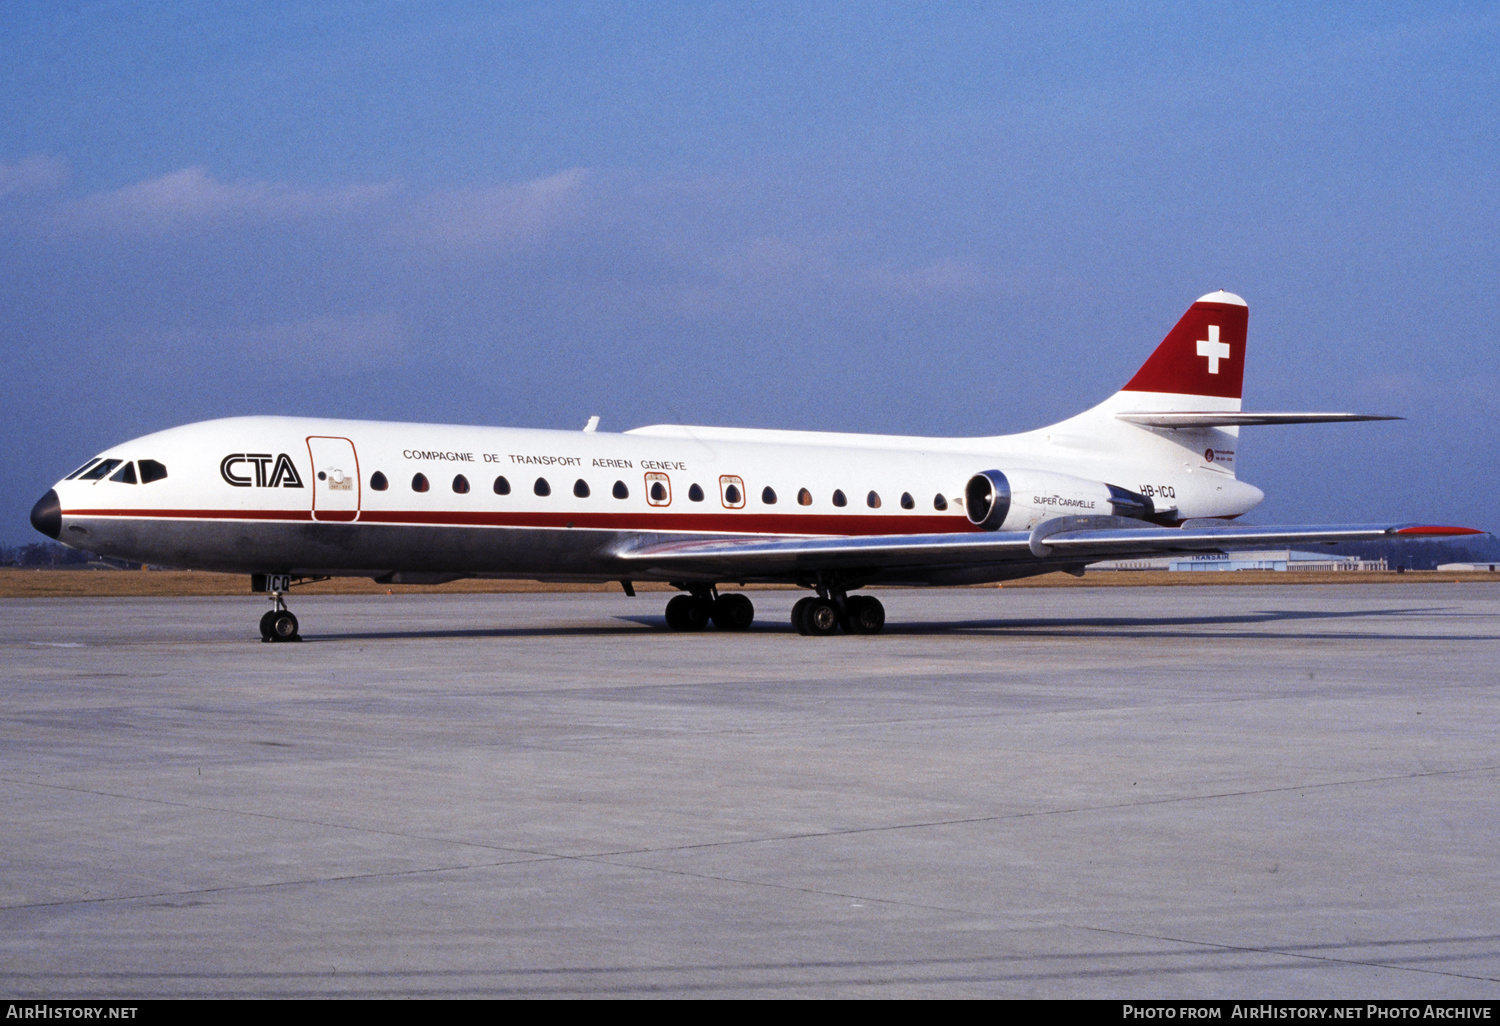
column 282, row 475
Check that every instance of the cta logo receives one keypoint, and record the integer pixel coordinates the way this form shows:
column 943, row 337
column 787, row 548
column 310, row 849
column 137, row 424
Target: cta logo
column 259, row 470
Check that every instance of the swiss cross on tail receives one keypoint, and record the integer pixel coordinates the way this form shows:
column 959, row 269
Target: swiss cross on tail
column 1203, row 355
column 1212, row 348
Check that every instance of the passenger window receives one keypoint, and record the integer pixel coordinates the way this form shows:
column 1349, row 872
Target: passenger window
column 502, row 486
column 542, row 487
column 581, row 488
column 804, row 497
column 907, row 502
column 731, row 491
column 621, row 492
column 101, row 471
column 461, row 485
column 938, row 502
column 658, row 489
column 768, row 496
column 126, row 474
column 838, row 498
column 419, row 483
column 695, row 493
column 81, row 469
column 873, row 500
column 378, row 483
column 151, row 471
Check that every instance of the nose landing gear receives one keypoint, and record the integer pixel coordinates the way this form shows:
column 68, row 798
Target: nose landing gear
column 279, row 624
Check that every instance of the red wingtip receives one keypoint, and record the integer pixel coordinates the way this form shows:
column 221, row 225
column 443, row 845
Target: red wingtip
column 1437, row 529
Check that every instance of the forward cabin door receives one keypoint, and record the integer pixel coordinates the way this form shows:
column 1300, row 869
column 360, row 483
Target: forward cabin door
column 335, row 480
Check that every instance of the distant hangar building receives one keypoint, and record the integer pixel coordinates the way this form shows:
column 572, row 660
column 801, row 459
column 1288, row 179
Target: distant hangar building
column 1281, row 560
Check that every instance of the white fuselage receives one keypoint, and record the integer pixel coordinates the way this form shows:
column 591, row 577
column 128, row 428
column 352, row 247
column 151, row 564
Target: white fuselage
column 365, row 497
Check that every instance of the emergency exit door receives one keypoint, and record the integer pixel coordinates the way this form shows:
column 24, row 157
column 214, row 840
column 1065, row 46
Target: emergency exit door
column 335, row 480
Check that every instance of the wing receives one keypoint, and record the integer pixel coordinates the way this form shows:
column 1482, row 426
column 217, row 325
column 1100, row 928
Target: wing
column 1052, row 544
column 1196, row 420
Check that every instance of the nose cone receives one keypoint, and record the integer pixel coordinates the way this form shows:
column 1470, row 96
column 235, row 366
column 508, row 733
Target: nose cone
column 46, row 515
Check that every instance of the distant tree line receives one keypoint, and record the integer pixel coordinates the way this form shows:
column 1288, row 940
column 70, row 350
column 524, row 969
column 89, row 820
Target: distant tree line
column 47, row 553
column 1421, row 553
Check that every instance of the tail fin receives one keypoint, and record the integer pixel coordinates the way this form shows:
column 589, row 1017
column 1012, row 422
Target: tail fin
column 1204, row 355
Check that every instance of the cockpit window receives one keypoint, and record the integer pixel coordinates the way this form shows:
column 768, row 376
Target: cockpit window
column 126, row 474
column 104, row 468
column 81, row 469
column 151, row 471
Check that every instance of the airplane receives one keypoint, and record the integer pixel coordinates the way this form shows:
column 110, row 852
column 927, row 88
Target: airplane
column 288, row 500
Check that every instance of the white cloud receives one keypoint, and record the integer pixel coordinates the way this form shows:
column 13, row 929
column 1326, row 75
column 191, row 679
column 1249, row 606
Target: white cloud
column 192, row 199
column 32, row 174
column 816, row 265
column 524, row 212
column 331, row 344
column 939, row 279
column 339, row 341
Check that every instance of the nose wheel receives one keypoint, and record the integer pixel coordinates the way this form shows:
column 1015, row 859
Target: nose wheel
column 278, row 624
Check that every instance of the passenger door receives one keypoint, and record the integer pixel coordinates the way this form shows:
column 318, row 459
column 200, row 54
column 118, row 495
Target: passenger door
column 335, row 482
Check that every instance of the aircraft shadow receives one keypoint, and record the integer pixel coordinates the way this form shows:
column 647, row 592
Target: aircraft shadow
column 1200, row 626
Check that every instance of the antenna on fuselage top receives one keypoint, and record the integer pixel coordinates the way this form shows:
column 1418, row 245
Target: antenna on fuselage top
column 592, row 425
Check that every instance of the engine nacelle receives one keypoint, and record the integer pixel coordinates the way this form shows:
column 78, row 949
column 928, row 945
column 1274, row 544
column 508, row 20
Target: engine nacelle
column 1021, row 499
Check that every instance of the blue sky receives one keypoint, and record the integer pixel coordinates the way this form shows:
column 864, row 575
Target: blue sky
column 962, row 219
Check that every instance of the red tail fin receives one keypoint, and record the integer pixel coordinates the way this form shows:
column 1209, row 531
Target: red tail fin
column 1203, row 355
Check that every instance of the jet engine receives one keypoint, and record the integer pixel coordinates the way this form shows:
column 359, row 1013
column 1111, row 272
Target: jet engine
column 1020, row 499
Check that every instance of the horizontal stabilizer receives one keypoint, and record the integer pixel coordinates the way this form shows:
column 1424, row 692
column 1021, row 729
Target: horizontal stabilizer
column 1226, row 419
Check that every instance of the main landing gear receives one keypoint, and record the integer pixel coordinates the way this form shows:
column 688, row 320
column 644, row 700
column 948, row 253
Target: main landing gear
column 692, row 612
column 830, row 610
column 823, row 614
